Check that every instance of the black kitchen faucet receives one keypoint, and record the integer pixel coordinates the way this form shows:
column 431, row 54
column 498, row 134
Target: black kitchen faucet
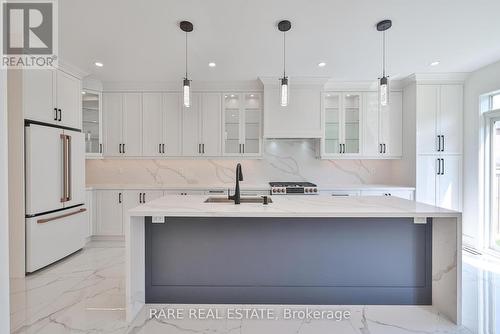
column 239, row 177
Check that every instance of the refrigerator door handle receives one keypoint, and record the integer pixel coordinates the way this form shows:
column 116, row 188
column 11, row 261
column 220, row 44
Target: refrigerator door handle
column 43, row 221
column 69, row 164
column 64, row 167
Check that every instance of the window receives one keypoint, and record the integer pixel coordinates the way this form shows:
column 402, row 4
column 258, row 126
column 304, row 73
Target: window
column 495, row 101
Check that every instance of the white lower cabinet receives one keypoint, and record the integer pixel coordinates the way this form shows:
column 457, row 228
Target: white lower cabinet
column 111, row 208
column 405, row 194
column 109, row 215
column 439, row 180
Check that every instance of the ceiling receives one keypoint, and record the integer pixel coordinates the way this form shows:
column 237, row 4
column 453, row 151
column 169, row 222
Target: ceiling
column 139, row 41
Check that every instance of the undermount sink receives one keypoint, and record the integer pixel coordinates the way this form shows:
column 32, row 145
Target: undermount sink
column 242, row 200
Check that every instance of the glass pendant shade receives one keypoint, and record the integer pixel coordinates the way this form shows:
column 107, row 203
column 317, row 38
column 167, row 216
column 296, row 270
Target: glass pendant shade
column 186, row 93
column 284, row 92
column 383, row 91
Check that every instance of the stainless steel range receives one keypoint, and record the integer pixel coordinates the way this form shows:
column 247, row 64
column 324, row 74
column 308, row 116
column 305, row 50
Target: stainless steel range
column 293, row 188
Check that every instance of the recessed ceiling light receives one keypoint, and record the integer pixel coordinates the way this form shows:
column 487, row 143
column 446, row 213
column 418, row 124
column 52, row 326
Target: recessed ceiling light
column 212, row 64
column 251, row 95
column 322, row 64
column 83, row 93
column 435, row 63
column 99, row 64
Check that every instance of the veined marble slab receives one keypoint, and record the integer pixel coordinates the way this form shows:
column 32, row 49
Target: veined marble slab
column 446, row 235
column 292, row 206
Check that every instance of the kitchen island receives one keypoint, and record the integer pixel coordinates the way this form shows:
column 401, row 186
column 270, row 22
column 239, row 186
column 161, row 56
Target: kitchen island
column 296, row 250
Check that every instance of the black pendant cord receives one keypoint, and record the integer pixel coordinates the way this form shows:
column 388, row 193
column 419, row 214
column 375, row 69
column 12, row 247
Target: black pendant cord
column 383, row 54
column 186, row 55
column 284, row 55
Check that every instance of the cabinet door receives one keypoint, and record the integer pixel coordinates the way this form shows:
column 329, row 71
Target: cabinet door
column 131, row 199
column 391, row 126
column 351, row 115
column 68, row 100
column 191, row 140
column 371, row 142
column 451, row 118
column 89, row 204
column 427, row 113
column 172, row 110
column 426, row 178
column 151, row 195
column 77, row 165
column 232, row 115
column 332, row 110
column 132, row 124
column 211, row 124
column 39, row 95
column 109, row 212
column 112, row 105
column 152, row 124
column 251, row 124
column 449, row 187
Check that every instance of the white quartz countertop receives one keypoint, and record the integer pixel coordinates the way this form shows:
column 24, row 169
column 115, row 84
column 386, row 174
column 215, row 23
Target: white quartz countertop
column 261, row 186
column 291, row 206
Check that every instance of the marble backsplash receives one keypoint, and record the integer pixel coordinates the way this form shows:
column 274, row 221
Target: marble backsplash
column 283, row 160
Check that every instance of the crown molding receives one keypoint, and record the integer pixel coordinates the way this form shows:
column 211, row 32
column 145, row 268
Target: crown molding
column 176, row 86
column 435, row 78
column 295, row 81
column 72, row 69
column 91, row 83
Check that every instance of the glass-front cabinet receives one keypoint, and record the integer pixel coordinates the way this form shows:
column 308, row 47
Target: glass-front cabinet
column 342, row 115
column 242, row 124
column 92, row 122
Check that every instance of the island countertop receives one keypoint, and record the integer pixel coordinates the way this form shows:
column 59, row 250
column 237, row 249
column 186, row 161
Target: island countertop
column 291, row 206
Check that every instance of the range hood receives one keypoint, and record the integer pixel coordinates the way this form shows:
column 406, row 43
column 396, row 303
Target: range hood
column 302, row 118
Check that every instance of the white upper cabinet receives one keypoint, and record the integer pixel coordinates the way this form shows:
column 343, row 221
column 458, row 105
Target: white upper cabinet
column 383, row 134
column 439, row 115
column 123, row 124
column 112, row 121
column 300, row 119
column 161, row 124
column 172, row 119
column 343, row 124
column 242, row 124
column 152, row 124
column 201, row 125
column 52, row 96
column 68, row 99
column 211, row 124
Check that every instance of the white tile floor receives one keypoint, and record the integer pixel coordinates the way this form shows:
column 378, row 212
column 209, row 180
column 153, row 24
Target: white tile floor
column 85, row 294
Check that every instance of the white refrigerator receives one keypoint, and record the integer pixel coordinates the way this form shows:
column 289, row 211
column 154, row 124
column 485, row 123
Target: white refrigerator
column 56, row 217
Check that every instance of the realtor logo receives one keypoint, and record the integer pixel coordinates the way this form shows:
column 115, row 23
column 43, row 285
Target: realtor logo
column 29, row 34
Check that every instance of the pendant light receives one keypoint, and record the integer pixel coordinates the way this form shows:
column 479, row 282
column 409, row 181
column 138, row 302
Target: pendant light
column 284, row 26
column 186, row 26
column 383, row 84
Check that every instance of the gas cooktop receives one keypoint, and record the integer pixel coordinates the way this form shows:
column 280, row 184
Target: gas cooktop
column 293, row 188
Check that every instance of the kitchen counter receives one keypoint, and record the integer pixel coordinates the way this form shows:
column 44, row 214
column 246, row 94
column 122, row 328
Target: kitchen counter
column 366, row 251
column 292, row 206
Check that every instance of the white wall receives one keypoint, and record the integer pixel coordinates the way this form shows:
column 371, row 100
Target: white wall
column 4, row 218
column 482, row 81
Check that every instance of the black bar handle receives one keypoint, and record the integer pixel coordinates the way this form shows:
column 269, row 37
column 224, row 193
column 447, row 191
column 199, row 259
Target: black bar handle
column 143, row 198
column 438, row 166
column 442, row 149
column 100, row 148
column 384, row 149
column 119, row 197
column 55, row 114
column 163, row 147
column 60, row 115
column 442, row 170
column 123, row 148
